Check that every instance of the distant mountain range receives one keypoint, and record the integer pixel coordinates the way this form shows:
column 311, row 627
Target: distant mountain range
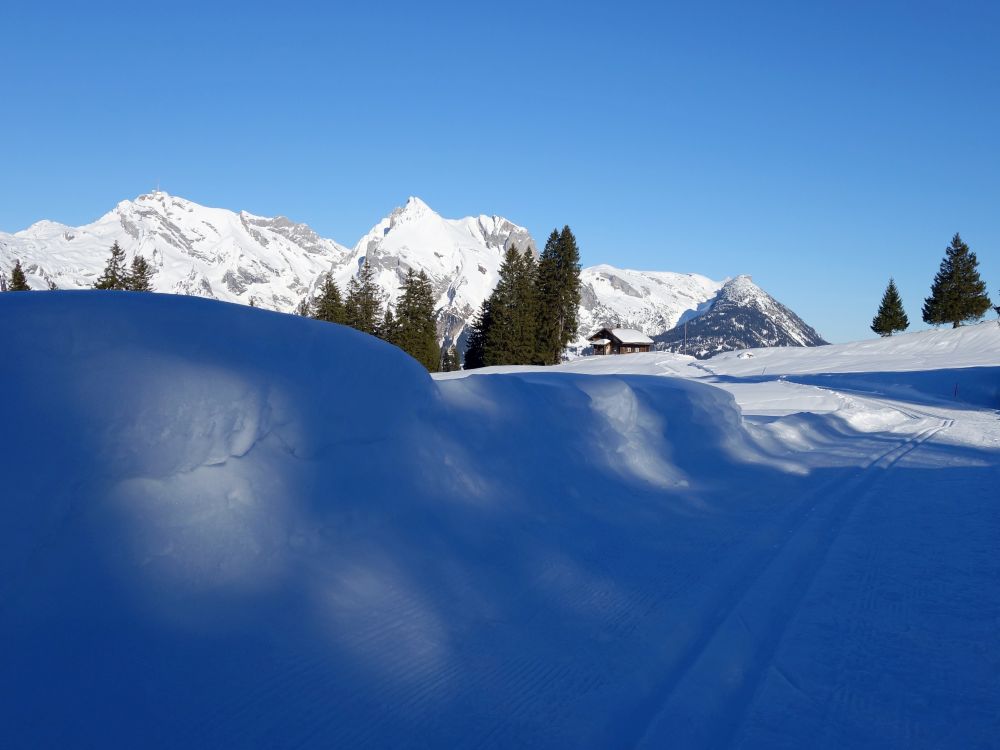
column 275, row 262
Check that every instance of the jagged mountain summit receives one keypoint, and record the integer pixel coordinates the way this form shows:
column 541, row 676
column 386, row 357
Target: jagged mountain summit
column 195, row 250
column 461, row 257
column 741, row 316
column 275, row 263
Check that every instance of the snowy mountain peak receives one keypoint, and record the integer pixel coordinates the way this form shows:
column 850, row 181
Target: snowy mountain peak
column 461, row 257
column 741, row 316
column 42, row 228
column 415, row 206
column 194, row 250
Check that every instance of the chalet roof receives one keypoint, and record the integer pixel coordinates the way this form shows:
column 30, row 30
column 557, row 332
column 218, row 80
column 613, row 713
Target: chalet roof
column 630, row 336
column 622, row 336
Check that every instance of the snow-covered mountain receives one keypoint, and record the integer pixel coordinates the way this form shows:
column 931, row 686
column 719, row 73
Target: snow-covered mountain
column 647, row 301
column 460, row 256
column 275, row 263
column 195, row 250
column 741, row 316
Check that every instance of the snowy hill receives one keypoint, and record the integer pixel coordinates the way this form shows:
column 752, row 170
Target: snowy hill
column 740, row 316
column 203, row 543
column 239, row 257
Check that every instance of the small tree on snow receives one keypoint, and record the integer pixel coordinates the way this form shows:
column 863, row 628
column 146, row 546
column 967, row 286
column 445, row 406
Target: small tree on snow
column 139, row 278
column 890, row 317
column 329, row 306
column 958, row 294
column 18, row 281
column 115, row 277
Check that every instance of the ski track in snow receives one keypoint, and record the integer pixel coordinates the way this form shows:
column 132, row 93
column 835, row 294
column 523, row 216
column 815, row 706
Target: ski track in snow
column 756, row 609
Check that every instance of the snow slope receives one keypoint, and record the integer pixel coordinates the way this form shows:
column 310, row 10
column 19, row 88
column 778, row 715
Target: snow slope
column 227, row 526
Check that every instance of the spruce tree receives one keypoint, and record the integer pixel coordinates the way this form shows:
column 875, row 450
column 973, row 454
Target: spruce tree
column 3, row 281
column 139, row 278
column 329, row 306
column 18, row 281
column 115, row 276
column 558, row 296
column 416, row 329
column 364, row 302
column 890, row 317
column 389, row 330
column 475, row 346
column 958, row 294
column 449, row 360
column 304, row 309
column 526, row 317
column 500, row 337
column 510, row 337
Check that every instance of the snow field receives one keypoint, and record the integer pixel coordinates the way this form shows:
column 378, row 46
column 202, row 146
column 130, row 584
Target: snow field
column 229, row 526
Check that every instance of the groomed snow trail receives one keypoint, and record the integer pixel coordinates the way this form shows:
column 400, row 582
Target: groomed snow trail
column 706, row 696
column 228, row 527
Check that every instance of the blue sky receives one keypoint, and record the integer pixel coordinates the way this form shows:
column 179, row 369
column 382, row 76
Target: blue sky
column 820, row 147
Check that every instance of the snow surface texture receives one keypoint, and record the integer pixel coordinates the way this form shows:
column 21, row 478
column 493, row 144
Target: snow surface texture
column 230, row 527
column 238, row 257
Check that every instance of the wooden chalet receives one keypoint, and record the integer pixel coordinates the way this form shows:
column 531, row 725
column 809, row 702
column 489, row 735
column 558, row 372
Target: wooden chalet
column 620, row 341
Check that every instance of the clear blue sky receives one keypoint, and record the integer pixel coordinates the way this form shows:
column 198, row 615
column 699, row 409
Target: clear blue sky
column 820, row 147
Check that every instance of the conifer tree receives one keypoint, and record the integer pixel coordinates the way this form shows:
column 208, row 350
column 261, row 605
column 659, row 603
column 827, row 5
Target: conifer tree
column 890, row 317
column 18, row 281
column 139, row 278
column 510, row 337
column 558, row 296
column 3, row 281
column 115, row 276
column 416, row 329
column 958, row 294
column 526, row 318
column 475, row 346
column 304, row 309
column 389, row 330
column 329, row 306
column 363, row 308
column 449, row 361
column 500, row 336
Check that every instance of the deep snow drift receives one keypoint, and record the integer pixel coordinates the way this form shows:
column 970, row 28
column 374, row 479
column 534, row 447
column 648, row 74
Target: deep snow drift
column 229, row 527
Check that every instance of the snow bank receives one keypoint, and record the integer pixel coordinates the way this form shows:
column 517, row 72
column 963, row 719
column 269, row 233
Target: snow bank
column 946, row 366
column 222, row 525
